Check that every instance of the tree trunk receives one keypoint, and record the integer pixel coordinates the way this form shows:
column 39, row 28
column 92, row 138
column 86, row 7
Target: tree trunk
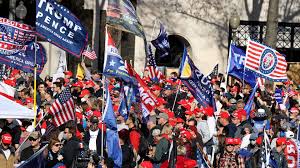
column 272, row 23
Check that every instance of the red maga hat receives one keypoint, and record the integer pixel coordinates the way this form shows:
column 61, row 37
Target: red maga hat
column 84, row 92
column 6, row 139
column 237, row 141
column 90, row 82
column 68, row 73
column 182, row 101
column 224, row 114
column 229, row 141
column 280, row 141
column 179, row 120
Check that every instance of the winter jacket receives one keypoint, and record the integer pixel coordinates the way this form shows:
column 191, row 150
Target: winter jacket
column 7, row 163
column 70, row 151
column 279, row 158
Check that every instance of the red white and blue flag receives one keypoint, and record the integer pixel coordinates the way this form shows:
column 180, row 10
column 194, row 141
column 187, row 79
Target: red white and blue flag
column 265, row 62
column 154, row 73
column 63, row 109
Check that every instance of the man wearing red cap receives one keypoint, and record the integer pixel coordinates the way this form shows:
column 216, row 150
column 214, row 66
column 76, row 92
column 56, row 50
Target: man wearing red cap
column 68, row 74
column 229, row 158
column 224, row 118
column 278, row 153
column 7, row 153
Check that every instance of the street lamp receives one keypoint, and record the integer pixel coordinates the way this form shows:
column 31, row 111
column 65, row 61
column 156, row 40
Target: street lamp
column 234, row 23
column 21, row 11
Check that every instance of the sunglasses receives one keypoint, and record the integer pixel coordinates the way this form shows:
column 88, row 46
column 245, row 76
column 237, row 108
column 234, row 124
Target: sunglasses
column 31, row 139
column 229, row 145
column 57, row 145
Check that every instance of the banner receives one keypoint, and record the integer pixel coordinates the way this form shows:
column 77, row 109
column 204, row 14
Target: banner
column 24, row 60
column 121, row 14
column 278, row 96
column 291, row 152
column 60, row 27
column 236, row 66
column 14, row 36
column 197, row 83
column 147, row 98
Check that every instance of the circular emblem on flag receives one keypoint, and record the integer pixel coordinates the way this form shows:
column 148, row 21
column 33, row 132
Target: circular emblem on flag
column 268, row 61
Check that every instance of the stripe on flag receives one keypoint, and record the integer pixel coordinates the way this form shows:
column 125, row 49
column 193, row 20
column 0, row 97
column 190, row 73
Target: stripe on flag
column 63, row 108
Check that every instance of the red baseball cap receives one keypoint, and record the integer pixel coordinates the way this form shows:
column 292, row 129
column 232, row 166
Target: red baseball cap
column 79, row 115
column 237, row 141
column 294, row 109
column 78, row 84
column 90, row 82
column 97, row 113
column 84, row 92
column 146, row 164
column 68, row 73
column 188, row 112
column 29, row 100
column 209, row 111
column 182, row 101
column 14, row 72
column 186, row 106
column 6, row 139
column 160, row 101
column 280, row 141
column 229, row 141
column 224, row 114
column 179, row 120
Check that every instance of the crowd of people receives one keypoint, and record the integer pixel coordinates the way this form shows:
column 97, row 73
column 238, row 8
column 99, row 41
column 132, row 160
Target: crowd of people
column 226, row 137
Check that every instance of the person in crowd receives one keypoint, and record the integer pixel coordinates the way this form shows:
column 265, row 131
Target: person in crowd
column 229, row 158
column 128, row 160
column 160, row 154
column 34, row 139
column 57, row 89
column 14, row 129
column 224, row 119
column 163, row 120
column 54, row 156
column 7, row 151
column 71, row 146
column 278, row 152
column 93, row 136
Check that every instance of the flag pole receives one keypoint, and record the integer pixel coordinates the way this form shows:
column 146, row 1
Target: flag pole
column 34, row 127
column 103, row 91
column 34, row 85
column 178, row 89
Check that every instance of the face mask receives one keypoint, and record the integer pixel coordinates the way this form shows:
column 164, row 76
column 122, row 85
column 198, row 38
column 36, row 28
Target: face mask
column 252, row 142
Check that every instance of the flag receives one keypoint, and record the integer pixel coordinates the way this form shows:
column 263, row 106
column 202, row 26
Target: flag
column 62, row 62
column 278, row 96
column 236, row 66
column 250, row 101
column 11, row 109
column 202, row 163
column 80, row 72
column 161, row 43
column 89, row 53
column 62, row 108
column 114, row 64
column 197, row 83
column 114, row 150
column 214, row 72
column 37, row 160
column 59, row 26
column 155, row 74
column 147, row 98
column 7, row 90
column 265, row 151
column 14, row 36
column 265, row 62
column 122, row 15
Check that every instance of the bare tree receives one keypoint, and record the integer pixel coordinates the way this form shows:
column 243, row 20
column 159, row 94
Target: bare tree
column 272, row 23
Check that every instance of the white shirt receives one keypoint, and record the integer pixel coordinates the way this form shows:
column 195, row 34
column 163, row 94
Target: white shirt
column 122, row 126
column 245, row 141
column 6, row 153
column 93, row 138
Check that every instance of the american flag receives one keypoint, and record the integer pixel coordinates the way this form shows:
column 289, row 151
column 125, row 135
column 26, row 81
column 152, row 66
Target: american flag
column 161, row 43
column 89, row 53
column 62, row 108
column 265, row 61
column 214, row 72
column 265, row 151
column 154, row 73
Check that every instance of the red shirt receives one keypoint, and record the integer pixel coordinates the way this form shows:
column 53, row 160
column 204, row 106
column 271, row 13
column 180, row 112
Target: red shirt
column 134, row 137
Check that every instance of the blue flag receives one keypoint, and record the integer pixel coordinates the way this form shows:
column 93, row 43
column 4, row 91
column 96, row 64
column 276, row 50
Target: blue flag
column 60, row 27
column 250, row 101
column 37, row 160
column 114, row 65
column 121, row 14
column 278, row 96
column 201, row 161
column 114, row 150
column 24, row 59
column 197, row 83
column 161, row 43
column 236, row 66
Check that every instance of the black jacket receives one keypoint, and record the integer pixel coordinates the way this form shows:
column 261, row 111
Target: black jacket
column 70, row 151
column 87, row 136
column 27, row 153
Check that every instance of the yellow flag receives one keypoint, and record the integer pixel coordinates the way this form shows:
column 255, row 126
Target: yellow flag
column 80, row 72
